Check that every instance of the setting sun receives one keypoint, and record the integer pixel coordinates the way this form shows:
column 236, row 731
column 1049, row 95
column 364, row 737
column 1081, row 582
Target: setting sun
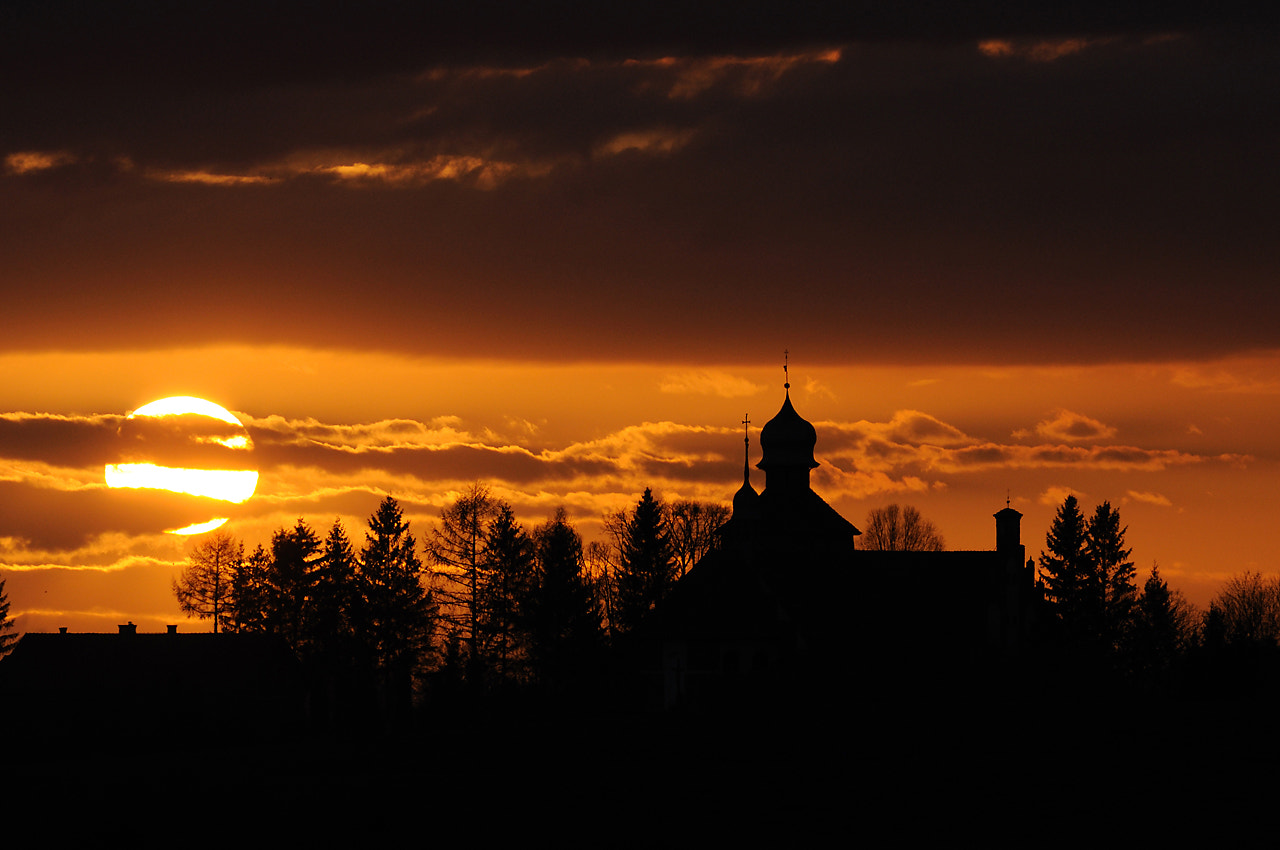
column 183, row 444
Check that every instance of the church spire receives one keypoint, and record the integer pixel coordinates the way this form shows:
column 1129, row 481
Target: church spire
column 745, row 500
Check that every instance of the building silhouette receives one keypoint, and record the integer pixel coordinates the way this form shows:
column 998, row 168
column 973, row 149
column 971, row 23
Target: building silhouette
column 787, row 607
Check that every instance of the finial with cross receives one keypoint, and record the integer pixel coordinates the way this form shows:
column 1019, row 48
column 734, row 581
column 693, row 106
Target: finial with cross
column 786, row 376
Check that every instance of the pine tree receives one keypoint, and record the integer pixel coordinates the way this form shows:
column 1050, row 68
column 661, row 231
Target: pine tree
column 7, row 639
column 507, row 580
column 646, row 563
column 290, row 580
column 398, row 610
column 1164, row 626
column 250, row 592
column 1113, row 592
column 561, row 614
column 1064, row 571
column 337, row 606
column 205, row 587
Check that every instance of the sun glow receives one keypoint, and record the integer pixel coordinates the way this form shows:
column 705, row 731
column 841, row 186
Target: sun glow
column 198, row 439
column 229, row 485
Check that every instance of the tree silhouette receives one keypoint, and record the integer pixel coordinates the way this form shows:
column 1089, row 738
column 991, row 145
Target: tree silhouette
column 250, row 592
column 693, row 528
column 400, row 616
column 507, row 579
column 895, row 529
column 1110, row 593
column 475, row 567
column 338, row 622
column 1164, row 626
column 205, row 587
column 1247, row 612
column 1064, row 570
column 7, row 638
column 289, row 583
column 646, row 563
column 561, row 613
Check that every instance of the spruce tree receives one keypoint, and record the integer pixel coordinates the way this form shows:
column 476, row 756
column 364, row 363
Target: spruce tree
column 7, row 639
column 398, row 611
column 289, row 585
column 506, row 581
column 250, row 592
column 1113, row 592
column 646, row 563
column 1064, row 571
column 337, row 608
column 561, row 614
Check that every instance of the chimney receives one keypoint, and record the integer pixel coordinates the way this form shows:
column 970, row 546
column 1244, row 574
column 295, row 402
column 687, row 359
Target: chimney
column 129, row 629
column 171, row 630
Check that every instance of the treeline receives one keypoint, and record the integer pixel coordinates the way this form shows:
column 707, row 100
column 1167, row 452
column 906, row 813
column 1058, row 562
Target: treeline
column 1095, row 618
column 482, row 604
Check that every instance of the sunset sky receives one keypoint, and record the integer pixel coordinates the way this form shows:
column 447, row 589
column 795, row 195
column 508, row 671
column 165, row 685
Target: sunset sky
column 560, row 249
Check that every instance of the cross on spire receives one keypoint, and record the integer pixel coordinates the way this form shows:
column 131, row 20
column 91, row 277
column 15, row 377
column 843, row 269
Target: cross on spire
column 786, row 362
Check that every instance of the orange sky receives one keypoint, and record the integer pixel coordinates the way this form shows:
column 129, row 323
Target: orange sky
column 1009, row 253
column 1185, row 450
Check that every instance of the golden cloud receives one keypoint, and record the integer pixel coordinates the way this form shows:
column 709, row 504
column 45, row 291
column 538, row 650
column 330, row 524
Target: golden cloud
column 1073, row 427
column 1038, row 51
column 709, row 382
column 26, row 162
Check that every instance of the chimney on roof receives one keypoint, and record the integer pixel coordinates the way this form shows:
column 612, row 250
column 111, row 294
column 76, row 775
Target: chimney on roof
column 171, row 630
column 129, row 629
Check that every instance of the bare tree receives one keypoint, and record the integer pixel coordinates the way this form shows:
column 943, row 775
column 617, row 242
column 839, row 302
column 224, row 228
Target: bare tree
column 204, row 589
column 896, row 529
column 1249, row 607
column 456, row 549
column 693, row 528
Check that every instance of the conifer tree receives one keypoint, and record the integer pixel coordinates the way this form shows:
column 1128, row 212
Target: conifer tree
column 399, row 614
column 457, row 550
column 561, row 613
column 646, row 563
column 205, row 587
column 1113, row 592
column 290, row 581
column 7, row 639
column 1064, row 570
column 337, row 618
column 1164, row 626
column 507, row 580
column 250, row 592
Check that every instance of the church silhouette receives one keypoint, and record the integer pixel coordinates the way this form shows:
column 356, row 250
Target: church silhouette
column 787, row 607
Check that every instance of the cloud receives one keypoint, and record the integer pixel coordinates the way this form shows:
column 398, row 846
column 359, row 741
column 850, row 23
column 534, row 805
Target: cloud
column 1150, row 498
column 27, row 162
column 1056, row 495
column 709, row 382
column 1247, row 378
column 1073, row 427
column 1038, row 51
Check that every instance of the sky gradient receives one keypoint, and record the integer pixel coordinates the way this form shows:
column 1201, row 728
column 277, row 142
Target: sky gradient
column 560, row 252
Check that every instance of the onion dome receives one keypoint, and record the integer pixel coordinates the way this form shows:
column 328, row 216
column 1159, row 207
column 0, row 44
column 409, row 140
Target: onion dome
column 787, row 440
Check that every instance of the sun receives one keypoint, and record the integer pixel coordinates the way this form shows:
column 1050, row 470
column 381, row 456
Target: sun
column 185, row 444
